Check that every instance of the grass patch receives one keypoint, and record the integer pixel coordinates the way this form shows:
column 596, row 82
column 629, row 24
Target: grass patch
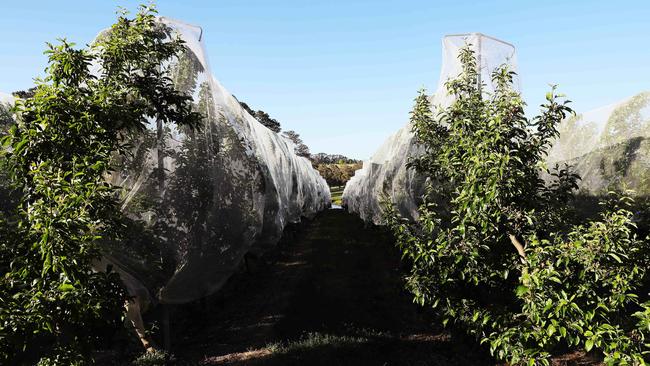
column 362, row 346
column 155, row 358
column 315, row 340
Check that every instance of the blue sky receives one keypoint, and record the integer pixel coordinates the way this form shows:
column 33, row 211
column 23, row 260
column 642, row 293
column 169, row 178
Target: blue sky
column 343, row 73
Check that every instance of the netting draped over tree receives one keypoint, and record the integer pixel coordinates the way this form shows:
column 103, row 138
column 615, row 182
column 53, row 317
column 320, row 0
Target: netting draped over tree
column 608, row 146
column 6, row 98
column 603, row 127
column 207, row 196
column 490, row 53
column 385, row 173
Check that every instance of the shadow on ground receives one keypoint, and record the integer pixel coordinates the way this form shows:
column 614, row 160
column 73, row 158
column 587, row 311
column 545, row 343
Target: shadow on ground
column 331, row 294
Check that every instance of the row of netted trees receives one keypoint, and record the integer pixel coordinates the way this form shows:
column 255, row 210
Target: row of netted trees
column 54, row 309
column 129, row 177
column 503, row 253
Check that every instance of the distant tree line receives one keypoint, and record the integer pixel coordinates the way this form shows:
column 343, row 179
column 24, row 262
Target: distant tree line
column 323, row 158
column 336, row 169
column 337, row 174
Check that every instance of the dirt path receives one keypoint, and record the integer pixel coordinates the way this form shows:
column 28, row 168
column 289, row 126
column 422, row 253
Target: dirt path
column 331, row 294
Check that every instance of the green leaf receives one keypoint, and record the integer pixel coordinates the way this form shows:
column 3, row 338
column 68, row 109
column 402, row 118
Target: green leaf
column 616, row 257
column 550, row 330
column 65, row 287
column 521, row 290
column 549, row 96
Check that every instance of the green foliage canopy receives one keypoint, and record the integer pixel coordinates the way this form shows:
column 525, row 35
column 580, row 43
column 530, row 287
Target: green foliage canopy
column 337, row 174
column 495, row 248
column 54, row 309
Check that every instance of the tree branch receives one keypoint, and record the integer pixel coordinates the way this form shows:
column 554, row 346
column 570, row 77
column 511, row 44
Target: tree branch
column 518, row 246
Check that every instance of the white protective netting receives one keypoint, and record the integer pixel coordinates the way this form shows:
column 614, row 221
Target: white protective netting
column 6, row 99
column 609, row 147
column 602, row 127
column 385, row 173
column 490, row 53
column 6, row 116
column 227, row 190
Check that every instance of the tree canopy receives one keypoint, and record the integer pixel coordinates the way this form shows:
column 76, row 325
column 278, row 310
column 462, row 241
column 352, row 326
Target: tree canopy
column 300, row 148
column 262, row 117
column 55, row 309
column 498, row 251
